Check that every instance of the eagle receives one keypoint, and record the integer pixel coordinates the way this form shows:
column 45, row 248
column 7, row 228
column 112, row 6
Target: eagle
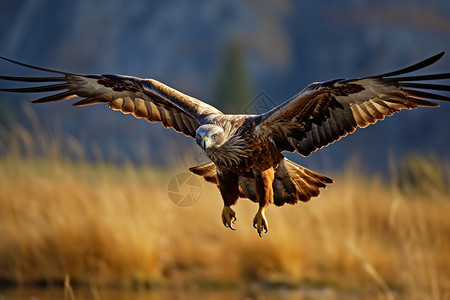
column 246, row 149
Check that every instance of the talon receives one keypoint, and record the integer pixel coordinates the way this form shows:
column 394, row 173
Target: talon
column 260, row 222
column 228, row 217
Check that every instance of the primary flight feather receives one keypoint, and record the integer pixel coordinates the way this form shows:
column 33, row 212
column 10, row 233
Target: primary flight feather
column 246, row 150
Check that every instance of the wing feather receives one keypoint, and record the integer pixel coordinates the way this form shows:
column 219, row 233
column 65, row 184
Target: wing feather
column 57, row 97
column 325, row 112
column 143, row 98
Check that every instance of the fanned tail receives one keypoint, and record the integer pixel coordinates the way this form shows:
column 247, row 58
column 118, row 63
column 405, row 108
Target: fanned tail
column 295, row 183
column 207, row 171
column 292, row 182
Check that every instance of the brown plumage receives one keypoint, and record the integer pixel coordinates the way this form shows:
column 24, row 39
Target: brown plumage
column 245, row 150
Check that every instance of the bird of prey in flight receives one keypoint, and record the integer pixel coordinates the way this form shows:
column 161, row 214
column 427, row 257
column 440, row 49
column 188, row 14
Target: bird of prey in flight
column 246, row 150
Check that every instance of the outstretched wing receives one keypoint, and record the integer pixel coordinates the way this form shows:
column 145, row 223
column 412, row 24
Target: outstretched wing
column 325, row 112
column 144, row 98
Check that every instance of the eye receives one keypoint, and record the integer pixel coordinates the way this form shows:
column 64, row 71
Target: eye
column 214, row 136
column 198, row 136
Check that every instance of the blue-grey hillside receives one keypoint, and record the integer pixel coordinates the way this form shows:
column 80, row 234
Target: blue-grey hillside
column 285, row 46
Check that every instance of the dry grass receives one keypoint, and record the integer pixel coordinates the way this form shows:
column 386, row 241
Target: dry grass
column 114, row 225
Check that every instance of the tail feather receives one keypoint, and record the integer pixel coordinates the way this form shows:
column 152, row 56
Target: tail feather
column 297, row 183
column 292, row 182
column 207, row 171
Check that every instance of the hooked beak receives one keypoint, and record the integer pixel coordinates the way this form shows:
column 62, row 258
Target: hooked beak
column 205, row 141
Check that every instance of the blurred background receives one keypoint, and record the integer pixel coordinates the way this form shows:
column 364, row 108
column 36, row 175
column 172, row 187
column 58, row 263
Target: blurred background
column 84, row 191
column 227, row 53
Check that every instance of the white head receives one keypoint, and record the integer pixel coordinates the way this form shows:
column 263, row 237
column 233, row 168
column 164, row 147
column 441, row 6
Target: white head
column 209, row 135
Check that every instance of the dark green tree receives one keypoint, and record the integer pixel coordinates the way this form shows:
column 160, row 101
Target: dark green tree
column 232, row 89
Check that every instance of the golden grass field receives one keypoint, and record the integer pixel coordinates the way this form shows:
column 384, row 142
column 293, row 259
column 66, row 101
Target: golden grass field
column 114, row 225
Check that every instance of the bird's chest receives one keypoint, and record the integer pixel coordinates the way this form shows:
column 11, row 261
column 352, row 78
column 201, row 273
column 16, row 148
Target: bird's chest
column 264, row 156
column 249, row 154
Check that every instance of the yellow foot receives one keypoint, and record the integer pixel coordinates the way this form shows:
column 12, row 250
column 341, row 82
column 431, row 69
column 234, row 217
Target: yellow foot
column 260, row 222
column 228, row 217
